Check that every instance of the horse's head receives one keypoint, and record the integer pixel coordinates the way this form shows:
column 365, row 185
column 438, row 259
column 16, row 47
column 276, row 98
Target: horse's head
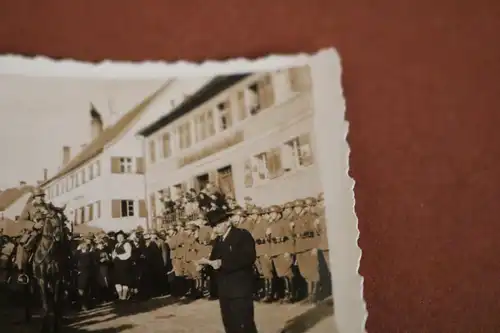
column 54, row 228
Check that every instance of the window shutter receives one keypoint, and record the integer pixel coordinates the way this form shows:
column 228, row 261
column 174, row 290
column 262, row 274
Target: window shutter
column 212, row 177
column 98, row 168
column 116, row 208
column 248, row 173
column 143, row 212
column 91, row 172
column 241, row 105
column 139, row 165
column 306, row 153
column 115, row 165
column 274, row 163
column 98, row 209
column 83, row 176
column 91, row 212
column 300, row 78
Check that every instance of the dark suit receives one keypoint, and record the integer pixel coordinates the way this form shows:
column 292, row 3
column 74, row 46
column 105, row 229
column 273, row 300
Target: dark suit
column 235, row 280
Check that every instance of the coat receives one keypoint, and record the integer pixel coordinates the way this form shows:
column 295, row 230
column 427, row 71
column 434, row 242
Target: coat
column 235, row 278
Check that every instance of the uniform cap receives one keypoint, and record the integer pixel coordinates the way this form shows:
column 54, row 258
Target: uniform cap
column 275, row 209
column 256, row 211
column 238, row 211
column 299, row 203
column 310, row 201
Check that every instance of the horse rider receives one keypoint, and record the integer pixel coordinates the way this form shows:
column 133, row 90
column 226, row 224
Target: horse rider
column 38, row 213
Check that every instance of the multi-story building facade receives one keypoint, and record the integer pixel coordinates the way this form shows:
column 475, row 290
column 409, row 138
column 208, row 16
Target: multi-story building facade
column 103, row 184
column 250, row 134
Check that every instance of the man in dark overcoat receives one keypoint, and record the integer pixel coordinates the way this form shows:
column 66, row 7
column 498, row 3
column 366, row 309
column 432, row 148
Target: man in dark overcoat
column 232, row 258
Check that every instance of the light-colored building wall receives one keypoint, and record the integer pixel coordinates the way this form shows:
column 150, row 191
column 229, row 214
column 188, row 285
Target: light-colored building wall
column 290, row 116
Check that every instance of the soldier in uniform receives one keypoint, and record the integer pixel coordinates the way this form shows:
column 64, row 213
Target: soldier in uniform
column 306, row 241
column 321, row 231
column 240, row 220
column 263, row 263
column 203, row 251
column 279, row 233
column 248, row 203
column 193, row 273
column 180, row 254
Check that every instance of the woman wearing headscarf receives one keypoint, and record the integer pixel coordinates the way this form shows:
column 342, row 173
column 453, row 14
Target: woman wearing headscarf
column 122, row 269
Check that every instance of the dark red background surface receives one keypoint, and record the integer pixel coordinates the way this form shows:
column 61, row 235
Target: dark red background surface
column 421, row 80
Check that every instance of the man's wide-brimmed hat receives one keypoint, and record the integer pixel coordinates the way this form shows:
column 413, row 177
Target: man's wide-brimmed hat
column 120, row 232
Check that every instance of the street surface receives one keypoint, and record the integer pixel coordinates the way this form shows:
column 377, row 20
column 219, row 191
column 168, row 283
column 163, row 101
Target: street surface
column 164, row 315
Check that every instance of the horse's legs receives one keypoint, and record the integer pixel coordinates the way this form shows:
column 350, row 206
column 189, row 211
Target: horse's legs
column 28, row 298
column 57, row 308
column 45, row 304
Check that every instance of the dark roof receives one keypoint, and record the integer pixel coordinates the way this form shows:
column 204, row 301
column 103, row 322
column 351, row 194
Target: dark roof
column 95, row 147
column 11, row 195
column 204, row 94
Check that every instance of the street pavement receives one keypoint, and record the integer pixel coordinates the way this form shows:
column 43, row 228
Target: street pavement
column 166, row 315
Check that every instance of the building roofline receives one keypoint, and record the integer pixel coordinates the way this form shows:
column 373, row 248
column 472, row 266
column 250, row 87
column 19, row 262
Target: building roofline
column 109, row 135
column 202, row 95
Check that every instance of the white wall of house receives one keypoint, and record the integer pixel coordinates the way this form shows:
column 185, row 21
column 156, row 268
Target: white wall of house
column 290, row 116
column 16, row 208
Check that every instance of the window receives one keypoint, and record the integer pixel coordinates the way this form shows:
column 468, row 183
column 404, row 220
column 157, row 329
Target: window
column 204, row 125
column 91, row 171
column 252, row 100
column 166, row 145
column 126, row 165
column 77, row 216
column 152, row 151
column 83, row 176
column 185, row 135
column 82, row 215
column 77, row 179
column 72, row 181
column 127, row 208
column 67, row 183
column 97, row 209
column 225, row 116
column 297, row 153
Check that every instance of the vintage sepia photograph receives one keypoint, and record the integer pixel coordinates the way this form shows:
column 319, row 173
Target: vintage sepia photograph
column 172, row 204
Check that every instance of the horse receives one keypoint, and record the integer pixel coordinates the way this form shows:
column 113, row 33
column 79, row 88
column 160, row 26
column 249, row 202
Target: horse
column 50, row 267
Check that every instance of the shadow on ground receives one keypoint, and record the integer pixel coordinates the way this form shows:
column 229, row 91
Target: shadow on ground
column 12, row 315
column 307, row 320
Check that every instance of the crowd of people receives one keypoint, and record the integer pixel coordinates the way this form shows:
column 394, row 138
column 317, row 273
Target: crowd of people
column 290, row 243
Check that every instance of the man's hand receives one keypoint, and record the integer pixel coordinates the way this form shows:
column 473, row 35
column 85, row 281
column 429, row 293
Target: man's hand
column 216, row 264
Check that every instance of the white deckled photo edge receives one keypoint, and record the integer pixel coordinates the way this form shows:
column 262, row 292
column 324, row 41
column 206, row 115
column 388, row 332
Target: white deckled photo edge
column 195, row 192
